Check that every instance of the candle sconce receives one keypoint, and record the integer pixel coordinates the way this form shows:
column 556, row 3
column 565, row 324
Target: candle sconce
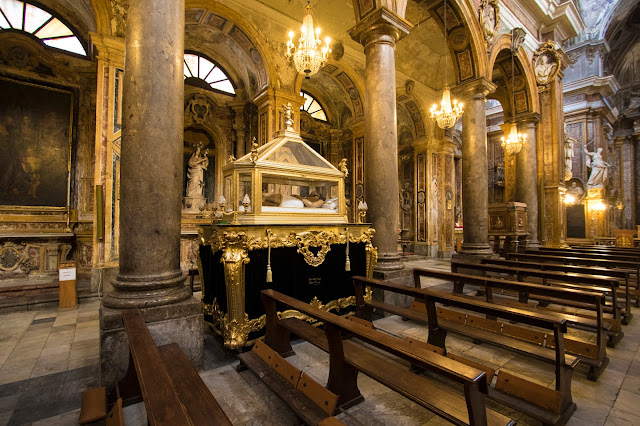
column 362, row 211
column 221, row 211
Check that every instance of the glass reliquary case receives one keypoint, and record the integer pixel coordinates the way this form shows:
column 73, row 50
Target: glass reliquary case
column 283, row 181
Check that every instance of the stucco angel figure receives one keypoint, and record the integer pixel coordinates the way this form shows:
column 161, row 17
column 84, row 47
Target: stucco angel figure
column 569, row 143
column 198, row 163
column 599, row 169
column 545, row 68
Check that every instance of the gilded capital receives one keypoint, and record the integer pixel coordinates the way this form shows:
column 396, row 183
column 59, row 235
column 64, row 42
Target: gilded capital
column 383, row 25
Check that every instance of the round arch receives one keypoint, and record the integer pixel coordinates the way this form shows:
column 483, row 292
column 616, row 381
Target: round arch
column 504, row 42
column 102, row 10
column 350, row 82
column 464, row 38
column 245, row 26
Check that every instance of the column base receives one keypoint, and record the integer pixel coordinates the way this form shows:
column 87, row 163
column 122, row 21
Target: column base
column 476, row 249
column 388, row 262
column 401, row 276
column 147, row 290
column 180, row 323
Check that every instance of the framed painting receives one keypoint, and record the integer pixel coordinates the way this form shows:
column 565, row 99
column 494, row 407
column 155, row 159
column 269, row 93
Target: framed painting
column 35, row 144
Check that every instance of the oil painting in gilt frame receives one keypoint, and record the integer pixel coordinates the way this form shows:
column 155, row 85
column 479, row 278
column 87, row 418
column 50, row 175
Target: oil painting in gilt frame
column 35, row 142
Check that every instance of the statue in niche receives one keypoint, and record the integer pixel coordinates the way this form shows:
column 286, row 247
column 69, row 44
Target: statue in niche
column 599, row 169
column 198, row 163
column 546, row 68
column 576, row 191
column 569, row 143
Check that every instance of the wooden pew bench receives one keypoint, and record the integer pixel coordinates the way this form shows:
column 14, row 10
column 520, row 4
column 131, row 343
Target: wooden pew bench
column 172, row 391
column 623, row 275
column 350, row 356
column 593, row 355
column 585, row 282
column 550, row 406
column 622, row 260
column 596, row 262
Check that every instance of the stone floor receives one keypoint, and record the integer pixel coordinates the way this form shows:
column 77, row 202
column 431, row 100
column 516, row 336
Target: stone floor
column 47, row 358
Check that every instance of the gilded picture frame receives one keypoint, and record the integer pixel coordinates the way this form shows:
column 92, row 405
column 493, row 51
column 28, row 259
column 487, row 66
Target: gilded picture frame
column 36, row 130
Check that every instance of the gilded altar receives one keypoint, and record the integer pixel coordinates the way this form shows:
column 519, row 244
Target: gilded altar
column 280, row 223
column 313, row 263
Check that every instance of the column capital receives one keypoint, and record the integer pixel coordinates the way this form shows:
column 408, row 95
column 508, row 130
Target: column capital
column 381, row 25
column 530, row 119
column 474, row 89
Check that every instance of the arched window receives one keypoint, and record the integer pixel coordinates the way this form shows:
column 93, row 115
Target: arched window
column 202, row 72
column 313, row 107
column 20, row 16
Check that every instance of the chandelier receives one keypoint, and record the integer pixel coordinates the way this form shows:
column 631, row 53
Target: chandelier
column 308, row 57
column 513, row 143
column 447, row 115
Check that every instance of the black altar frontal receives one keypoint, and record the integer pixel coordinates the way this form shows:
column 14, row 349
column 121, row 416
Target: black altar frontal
column 280, row 223
column 308, row 263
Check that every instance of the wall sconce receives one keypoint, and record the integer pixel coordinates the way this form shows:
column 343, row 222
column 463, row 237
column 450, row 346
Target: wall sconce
column 598, row 205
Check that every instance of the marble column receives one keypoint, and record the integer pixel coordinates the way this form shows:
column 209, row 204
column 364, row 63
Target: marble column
column 152, row 158
column 527, row 175
column 475, row 174
column 629, row 177
column 378, row 34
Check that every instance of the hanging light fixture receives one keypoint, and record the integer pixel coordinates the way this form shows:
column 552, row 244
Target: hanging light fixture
column 514, row 142
column 448, row 114
column 308, row 57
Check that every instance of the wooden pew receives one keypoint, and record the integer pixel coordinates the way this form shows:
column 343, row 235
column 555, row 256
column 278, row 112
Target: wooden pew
column 172, row 390
column 348, row 357
column 620, row 274
column 623, row 260
column 589, row 354
column 539, row 403
column 614, row 255
column 606, row 285
column 595, row 261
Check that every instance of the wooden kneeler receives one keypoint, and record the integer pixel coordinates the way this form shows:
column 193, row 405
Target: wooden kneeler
column 94, row 405
column 324, row 399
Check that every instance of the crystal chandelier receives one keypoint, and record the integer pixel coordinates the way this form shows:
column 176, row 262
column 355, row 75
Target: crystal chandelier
column 447, row 115
column 513, row 143
column 308, row 57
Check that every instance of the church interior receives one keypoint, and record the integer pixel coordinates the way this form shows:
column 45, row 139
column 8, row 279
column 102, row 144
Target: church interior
column 236, row 206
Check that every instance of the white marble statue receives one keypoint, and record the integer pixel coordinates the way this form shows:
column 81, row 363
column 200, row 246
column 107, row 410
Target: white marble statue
column 599, row 169
column 198, row 163
column 569, row 143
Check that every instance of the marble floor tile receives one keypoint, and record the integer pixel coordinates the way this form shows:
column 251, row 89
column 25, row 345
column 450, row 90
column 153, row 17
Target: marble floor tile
column 591, row 411
column 619, row 417
column 631, row 384
column 628, row 401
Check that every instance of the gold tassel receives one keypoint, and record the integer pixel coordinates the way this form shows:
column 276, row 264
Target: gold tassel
column 269, row 273
column 347, row 265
